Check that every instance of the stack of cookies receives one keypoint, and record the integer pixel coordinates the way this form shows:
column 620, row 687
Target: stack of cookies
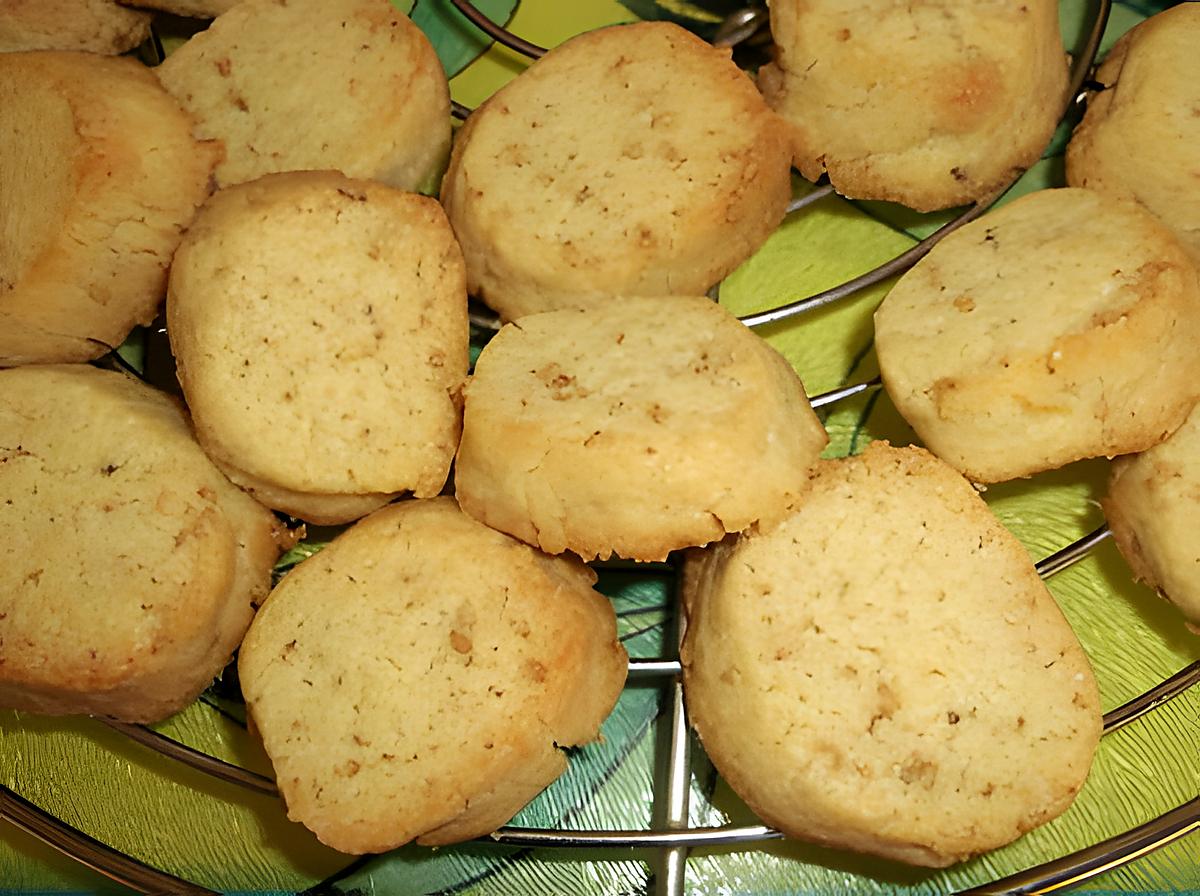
column 316, row 306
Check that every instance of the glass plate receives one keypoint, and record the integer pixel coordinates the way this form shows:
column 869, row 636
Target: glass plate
column 231, row 839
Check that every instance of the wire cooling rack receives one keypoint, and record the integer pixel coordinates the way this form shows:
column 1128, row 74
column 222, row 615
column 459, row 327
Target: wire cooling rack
column 672, row 837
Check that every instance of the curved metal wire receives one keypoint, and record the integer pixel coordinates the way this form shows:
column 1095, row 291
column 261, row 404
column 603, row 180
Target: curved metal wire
column 86, row 850
column 498, row 33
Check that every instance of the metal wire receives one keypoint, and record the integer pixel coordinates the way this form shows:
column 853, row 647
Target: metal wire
column 498, row 33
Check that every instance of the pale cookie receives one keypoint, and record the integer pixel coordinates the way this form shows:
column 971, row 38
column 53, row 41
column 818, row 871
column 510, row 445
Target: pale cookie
column 885, row 672
column 1152, row 507
column 929, row 104
column 99, row 174
column 351, row 85
column 418, row 678
column 319, row 325
column 1140, row 138
column 1061, row 326
column 633, row 428
column 94, row 26
column 133, row 566
column 632, row 160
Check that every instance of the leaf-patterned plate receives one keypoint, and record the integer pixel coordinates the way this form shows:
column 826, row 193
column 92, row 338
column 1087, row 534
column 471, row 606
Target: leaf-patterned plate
column 231, row 839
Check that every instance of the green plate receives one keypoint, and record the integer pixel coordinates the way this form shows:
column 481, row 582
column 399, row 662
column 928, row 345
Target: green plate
column 231, row 839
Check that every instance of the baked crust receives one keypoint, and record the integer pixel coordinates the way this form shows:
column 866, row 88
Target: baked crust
column 100, row 175
column 930, row 104
column 885, row 672
column 1056, row 328
column 319, row 326
column 134, row 565
column 635, row 428
column 656, row 170
column 403, row 693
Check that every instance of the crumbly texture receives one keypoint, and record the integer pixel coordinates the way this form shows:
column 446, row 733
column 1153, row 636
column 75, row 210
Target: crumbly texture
column 99, row 174
column 291, row 85
column 319, row 326
column 133, row 566
column 656, row 170
column 929, row 104
column 197, row 9
column 1056, row 328
column 1152, row 506
column 1140, row 135
column 403, row 693
column 885, row 672
column 93, row 26
column 633, row 428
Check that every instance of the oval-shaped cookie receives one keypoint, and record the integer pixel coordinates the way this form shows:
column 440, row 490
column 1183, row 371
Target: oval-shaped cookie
column 1152, row 506
column 133, row 566
column 634, row 428
column 351, row 85
column 1140, row 137
column 1058, row 327
column 92, row 26
column 631, row 160
column 885, row 672
column 100, row 174
column 319, row 325
column 418, row 677
column 928, row 104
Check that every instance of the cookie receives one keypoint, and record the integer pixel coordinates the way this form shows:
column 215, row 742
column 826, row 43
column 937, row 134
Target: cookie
column 635, row 428
column 403, row 693
column 93, row 26
column 885, row 672
column 350, row 85
column 631, row 160
column 1056, row 328
column 100, row 174
column 1139, row 136
column 1152, row 505
column 319, row 327
column 133, row 566
column 929, row 104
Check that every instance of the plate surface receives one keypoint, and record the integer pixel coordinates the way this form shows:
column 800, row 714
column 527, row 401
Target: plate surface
column 232, row 840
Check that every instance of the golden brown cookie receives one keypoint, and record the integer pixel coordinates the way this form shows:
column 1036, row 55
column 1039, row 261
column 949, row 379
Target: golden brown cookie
column 319, row 325
column 885, row 671
column 631, row 160
column 418, row 678
column 1059, row 327
column 93, row 26
column 929, row 104
column 1152, row 506
column 1140, row 136
column 351, row 85
column 635, row 428
column 99, row 174
column 133, row 566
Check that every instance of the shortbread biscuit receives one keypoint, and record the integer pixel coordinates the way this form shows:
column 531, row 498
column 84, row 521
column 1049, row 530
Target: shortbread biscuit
column 1140, row 138
column 418, row 677
column 929, row 104
column 1152, row 506
column 1059, row 327
column 132, row 566
column 94, row 26
column 351, row 85
column 885, row 672
column 319, row 326
column 634, row 428
column 632, row 160
column 99, row 174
